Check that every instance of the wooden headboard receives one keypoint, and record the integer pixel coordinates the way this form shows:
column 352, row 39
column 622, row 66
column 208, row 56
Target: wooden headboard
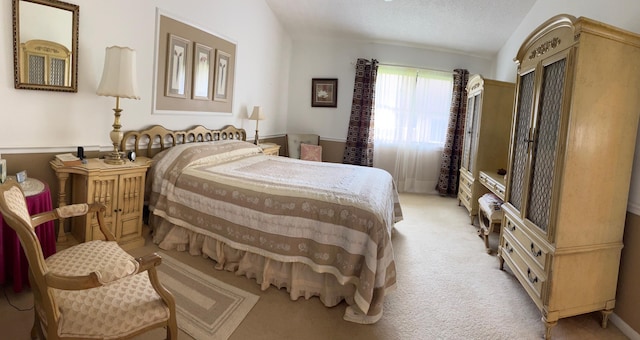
column 158, row 138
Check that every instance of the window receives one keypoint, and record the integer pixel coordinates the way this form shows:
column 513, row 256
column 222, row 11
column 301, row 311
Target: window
column 412, row 108
column 412, row 105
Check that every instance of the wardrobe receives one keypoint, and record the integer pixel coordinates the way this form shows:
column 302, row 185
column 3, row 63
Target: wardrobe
column 486, row 139
column 570, row 160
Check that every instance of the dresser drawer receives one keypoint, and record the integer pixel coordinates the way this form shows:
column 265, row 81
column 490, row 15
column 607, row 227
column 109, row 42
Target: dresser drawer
column 465, row 186
column 530, row 276
column 530, row 247
column 466, row 180
column 465, row 198
column 492, row 184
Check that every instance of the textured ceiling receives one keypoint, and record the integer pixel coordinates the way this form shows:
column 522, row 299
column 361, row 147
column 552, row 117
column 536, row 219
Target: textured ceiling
column 474, row 27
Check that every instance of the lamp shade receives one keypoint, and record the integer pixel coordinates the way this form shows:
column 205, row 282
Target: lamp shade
column 257, row 113
column 119, row 73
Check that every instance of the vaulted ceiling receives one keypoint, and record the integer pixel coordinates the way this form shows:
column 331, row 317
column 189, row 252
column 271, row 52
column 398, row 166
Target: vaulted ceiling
column 474, row 27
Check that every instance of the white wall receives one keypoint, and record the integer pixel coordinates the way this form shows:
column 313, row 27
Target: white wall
column 34, row 121
column 624, row 14
column 336, row 59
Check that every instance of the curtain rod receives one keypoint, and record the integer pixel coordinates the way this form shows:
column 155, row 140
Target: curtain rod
column 409, row 66
column 353, row 63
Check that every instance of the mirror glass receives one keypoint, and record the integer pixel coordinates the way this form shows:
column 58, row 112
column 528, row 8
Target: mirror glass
column 45, row 45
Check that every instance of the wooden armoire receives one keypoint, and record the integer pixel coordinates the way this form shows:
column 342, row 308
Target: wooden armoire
column 486, row 140
column 571, row 153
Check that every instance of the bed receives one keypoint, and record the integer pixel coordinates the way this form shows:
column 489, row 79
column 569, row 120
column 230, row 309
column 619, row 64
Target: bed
column 314, row 228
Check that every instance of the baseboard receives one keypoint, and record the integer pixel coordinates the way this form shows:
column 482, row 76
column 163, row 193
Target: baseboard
column 633, row 207
column 624, row 328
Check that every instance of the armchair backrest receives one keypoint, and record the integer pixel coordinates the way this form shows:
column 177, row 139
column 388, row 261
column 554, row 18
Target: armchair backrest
column 14, row 210
column 295, row 139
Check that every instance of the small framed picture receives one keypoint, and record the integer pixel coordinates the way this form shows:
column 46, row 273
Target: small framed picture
column 3, row 170
column 221, row 87
column 21, row 176
column 177, row 62
column 324, row 92
column 202, row 75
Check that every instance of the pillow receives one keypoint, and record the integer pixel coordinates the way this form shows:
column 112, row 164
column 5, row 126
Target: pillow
column 310, row 152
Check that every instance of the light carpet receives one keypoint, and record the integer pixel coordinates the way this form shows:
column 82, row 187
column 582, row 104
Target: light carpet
column 206, row 308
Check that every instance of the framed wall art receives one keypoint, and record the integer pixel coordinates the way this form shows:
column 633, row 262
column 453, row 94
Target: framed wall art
column 222, row 76
column 324, row 92
column 202, row 72
column 195, row 69
column 177, row 56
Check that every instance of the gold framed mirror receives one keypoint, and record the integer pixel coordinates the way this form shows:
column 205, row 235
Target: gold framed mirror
column 45, row 45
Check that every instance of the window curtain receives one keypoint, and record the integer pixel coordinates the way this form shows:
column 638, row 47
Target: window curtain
column 412, row 112
column 359, row 145
column 450, row 162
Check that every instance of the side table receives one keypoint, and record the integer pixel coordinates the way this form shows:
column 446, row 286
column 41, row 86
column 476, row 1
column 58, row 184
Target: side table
column 119, row 187
column 13, row 262
column 270, row 149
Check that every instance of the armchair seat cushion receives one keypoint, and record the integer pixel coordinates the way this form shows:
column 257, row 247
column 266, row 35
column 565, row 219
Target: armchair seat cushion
column 104, row 257
column 107, row 312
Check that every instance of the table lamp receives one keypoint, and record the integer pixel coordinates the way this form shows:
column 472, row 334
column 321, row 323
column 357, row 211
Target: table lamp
column 257, row 116
column 118, row 80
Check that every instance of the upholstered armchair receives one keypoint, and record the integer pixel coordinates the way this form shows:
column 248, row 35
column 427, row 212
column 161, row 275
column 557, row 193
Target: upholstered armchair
column 312, row 149
column 93, row 290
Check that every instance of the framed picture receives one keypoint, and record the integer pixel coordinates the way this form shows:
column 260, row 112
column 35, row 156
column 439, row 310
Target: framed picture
column 202, row 75
column 177, row 57
column 324, row 92
column 221, row 87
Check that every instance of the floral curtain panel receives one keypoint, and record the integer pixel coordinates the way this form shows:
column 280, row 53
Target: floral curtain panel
column 450, row 162
column 359, row 145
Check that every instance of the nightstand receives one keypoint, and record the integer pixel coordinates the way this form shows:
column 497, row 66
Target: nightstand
column 270, row 149
column 119, row 187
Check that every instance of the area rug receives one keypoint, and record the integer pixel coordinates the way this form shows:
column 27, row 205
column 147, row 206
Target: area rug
column 206, row 308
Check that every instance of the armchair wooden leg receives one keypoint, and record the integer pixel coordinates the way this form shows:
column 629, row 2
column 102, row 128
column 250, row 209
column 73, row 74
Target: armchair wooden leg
column 172, row 324
column 172, row 330
column 34, row 329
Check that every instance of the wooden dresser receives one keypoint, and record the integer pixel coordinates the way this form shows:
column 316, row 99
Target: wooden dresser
column 119, row 187
column 486, row 140
column 571, row 154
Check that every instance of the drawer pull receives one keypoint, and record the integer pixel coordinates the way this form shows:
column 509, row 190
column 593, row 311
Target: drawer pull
column 511, row 227
column 508, row 248
column 534, row 252
column 532, row 280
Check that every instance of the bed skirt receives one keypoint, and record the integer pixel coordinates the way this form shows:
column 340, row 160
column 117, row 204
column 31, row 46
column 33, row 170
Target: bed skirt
column 299, row 279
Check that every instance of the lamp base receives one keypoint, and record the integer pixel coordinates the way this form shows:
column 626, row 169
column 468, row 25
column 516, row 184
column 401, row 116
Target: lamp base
column 114, row 158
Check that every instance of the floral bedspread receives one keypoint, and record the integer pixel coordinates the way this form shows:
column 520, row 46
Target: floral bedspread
column 335, row 218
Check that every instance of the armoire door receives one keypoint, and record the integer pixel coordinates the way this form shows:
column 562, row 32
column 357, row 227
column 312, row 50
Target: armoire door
column 545, row 145
column 537, row 132
column 521, row 137
column 477, row 113
column 471, row 133
column 468, row 131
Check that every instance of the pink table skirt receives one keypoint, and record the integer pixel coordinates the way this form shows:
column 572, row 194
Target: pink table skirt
column 13, row 263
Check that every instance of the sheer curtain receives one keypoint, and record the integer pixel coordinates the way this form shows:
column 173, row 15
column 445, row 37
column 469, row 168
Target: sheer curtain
column 412, row 111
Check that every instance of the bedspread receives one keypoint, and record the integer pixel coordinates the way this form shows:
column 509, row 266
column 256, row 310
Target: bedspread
column 335, row 218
